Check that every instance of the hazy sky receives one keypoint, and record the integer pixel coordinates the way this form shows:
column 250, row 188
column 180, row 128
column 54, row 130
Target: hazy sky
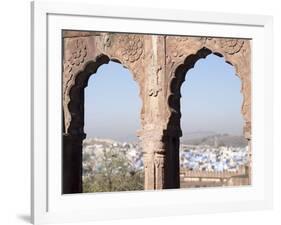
column 112, row 104
column 211, row 101
column 211, row 98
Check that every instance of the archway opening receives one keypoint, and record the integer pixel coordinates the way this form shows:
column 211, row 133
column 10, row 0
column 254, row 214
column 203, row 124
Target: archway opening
column 112, row 158
column 212, row 147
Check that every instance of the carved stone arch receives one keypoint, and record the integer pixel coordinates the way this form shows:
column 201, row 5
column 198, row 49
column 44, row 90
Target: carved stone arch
column 74, row 110
column 182, row 55
column 84, row 52
column 176, row 80
column 73, row 120
column 178, row 74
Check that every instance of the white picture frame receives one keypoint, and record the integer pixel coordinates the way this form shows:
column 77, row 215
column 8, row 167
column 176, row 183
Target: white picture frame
column 48, row 205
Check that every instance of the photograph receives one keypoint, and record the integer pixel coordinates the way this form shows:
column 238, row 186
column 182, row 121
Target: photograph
column 141, row 112
column 153, row 111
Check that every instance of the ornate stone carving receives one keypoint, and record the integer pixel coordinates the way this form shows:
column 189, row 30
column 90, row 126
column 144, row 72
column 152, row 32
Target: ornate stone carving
column 77, row 56
column 106, row 41
column 132, row 47
column 156, row 88
column 204, row 40
column 159, row 162
column 231, row 46
column 78, row 52
column 181, row 42
column 179, row 47
column 154, row 92
column 159, row 171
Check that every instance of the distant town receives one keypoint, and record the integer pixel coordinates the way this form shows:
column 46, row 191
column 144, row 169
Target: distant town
column 107, row 159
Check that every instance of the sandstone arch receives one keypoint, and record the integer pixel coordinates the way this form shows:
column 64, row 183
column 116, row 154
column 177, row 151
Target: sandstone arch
column 74, row 127
column 82, row 58
column 178, row 78
column 185, row 52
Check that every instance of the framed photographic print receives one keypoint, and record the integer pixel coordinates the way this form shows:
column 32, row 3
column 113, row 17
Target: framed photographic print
column 146, row 112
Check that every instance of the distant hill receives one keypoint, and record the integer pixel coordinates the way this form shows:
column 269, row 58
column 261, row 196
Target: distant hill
column 194, row 138
column 213, row 139
column 198, row 134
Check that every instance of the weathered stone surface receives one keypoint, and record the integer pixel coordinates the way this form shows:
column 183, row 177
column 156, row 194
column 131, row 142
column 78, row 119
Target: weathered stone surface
column 71, row 34
column 158, row 64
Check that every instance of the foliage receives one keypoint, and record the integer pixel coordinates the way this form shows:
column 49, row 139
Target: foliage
column 111, row 170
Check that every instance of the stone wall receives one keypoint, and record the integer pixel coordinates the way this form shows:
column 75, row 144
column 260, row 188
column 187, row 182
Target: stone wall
column 193, row 178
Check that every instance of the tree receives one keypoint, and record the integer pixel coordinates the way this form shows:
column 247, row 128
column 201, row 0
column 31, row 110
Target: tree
column 112, row 171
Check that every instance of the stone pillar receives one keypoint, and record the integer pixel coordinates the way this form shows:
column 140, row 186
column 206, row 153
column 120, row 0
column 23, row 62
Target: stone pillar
column 160, row 145
column 72, row 163
column 154, row 171
column 172, row 165
column 153, row 139
column 154, row 160
column 149, row 179
column 161, row 162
